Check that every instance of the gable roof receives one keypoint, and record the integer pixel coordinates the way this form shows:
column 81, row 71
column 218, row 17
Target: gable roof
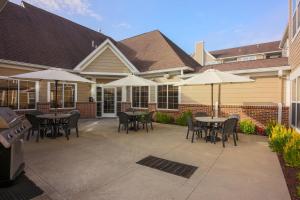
column 249, row 49
column 154, row 51
column 243, row 65
column 32, row 35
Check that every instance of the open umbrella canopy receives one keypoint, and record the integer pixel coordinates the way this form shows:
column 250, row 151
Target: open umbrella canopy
column 213, row 76
column 132, row 80
column 5, row 78
column 52, row 74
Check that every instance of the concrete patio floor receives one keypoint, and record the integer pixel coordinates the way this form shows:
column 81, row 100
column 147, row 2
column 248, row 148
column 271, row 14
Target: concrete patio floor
column 101, row 164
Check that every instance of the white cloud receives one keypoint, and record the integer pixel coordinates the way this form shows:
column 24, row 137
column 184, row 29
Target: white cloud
column 81, row 7
column 122, row 25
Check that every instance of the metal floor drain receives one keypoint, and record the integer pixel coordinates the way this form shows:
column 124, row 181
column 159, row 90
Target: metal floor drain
column 168, row 166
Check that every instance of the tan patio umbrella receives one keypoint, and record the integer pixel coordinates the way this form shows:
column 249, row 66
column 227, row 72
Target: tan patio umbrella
column 53, row 75
column 132, row 80
column 211, row 77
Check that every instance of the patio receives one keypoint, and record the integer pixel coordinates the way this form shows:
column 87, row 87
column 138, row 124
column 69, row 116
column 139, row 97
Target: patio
column 101, row 164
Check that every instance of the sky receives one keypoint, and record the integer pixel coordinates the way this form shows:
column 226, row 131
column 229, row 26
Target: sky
column 220, row 24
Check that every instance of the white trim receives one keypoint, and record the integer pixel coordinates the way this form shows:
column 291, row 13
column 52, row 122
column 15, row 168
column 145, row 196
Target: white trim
column 252, row 54
column 140, row 97
column 63, row 94
column 94, row 54
column 246, row 71
column 105, row 73
column 37, row 90
column 166, row 70
column 179, row 95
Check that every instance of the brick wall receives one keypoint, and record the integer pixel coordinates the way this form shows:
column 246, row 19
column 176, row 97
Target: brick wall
column 258, row 114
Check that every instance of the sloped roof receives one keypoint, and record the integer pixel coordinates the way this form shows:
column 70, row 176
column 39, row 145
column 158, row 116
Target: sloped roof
column 154, row 51
column 32, row 35
column 243, row 65
column 249, row 49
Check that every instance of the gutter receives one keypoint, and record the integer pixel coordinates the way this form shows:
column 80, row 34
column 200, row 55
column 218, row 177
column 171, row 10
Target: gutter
column 166, row 70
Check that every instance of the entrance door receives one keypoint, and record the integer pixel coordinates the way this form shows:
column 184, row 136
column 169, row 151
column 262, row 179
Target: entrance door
column 99, row 101
column 109, row 102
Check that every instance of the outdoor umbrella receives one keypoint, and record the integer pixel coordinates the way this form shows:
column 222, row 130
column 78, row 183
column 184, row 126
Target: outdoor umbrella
column 7, row 87
column 211, row 77
column 131, row 80
column 53, row 75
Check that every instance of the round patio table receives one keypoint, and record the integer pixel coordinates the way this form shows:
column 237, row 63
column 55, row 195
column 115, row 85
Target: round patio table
column 55, row 120
column 134, row 116
column 213, row 120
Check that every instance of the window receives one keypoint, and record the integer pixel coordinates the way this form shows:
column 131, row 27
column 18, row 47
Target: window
column 66, row 93
column 18, row 94
column 295, row 16
column 167, row 97
column 212, row 62
column 295, row 107
column 119, row 99
column 229, row 60
column 247, row 58
column 274, row 55
column 140, row 97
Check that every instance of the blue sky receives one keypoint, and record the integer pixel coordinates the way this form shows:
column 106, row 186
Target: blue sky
column 221, row 24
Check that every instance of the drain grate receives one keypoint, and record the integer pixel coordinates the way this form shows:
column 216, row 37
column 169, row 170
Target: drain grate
column 22, row 189
column 168, row 166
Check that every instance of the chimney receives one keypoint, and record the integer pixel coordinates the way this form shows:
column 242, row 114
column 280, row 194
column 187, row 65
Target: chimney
column 199, row 52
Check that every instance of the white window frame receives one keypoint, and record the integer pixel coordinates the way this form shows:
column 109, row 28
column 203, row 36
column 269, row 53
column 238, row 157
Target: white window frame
column 63, row 94
column 179, row 96
column 294, row 76
column 295, row 12
column 131, row 99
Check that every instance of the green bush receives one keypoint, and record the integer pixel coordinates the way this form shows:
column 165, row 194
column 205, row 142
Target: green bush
column 164, row 118
column 298, row 191
column 279, row 137
column 270, row 125
column 183, row 118
column 247, row 126
column 291, row 151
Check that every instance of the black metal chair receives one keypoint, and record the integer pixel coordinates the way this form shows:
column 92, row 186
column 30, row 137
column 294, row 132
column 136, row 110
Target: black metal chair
column 193, row 128
column 146, row 119
column 205, row 126
column 37, row 124
column 229, row 128
column 124, row 121
column 71, row 123
column 236, row 116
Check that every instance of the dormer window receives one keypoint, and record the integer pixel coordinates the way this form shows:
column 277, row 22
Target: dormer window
column 229, row 60
column 247, row 58
column 273, row 55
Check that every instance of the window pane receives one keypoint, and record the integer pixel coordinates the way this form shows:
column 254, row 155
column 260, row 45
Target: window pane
column 144, row 96
column 135, row 97
column 27, row 95
column 69, row 95
column 13, row 94
column 298, row 116
column 3, row 92
column 162, row 96
column 298, row 89
column 172, row 97
column 99, row 94
column 294, row 90
column 53, row 95
column 119, row 94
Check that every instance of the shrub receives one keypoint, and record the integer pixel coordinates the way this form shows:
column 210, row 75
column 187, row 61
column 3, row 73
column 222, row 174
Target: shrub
column 291, row 151
column 279, row 137
column 260, row 130
column 164, row 118
column 298, row 176
column 270, row 125
column 182, row 120
column 247, row 126
column 298, row 191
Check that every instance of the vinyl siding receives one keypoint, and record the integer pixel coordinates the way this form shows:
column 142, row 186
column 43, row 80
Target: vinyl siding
column 264, row 90
column 294, row 54
column 83, row 92
column 107, row 61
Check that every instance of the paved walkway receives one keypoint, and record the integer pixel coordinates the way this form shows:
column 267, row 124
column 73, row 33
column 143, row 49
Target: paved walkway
column 100, row 164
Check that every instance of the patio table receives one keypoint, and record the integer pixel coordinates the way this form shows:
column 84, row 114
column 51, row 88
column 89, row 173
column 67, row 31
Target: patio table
column 212, row 120
column 55, row 120
column 134, row 115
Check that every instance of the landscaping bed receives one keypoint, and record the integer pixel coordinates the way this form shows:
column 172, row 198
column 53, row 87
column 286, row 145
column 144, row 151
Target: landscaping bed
column 290, row 175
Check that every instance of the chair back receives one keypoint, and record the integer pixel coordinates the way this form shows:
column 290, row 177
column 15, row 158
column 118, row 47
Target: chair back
column 189, row 122
column 34, row 121
column 230, row 125
column 73, row 120
column 123, row 118
column 201, row 114
column 74, row 112
column 237, row 116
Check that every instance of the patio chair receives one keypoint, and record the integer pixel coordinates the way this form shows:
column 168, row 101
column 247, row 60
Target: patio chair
column 146, row 119
column 71, row 123
column 229, row 128
column 193, row 128
column 39, row 125
column 237, row 116
column 205, row 126
column 124, row 121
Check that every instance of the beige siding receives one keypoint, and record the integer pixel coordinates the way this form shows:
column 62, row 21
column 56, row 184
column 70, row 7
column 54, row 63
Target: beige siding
column 107, row 61
column 43, row 91
column 263, row 90
column 6, row 71
column 104, row 81
column 152, row 94
column 294, row 54
column 83, row 92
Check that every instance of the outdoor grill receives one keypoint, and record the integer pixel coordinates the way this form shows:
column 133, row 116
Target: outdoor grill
column 12, row 130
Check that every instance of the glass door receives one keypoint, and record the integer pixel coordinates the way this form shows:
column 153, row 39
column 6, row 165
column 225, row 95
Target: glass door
column 99, row 101
column 109, row 102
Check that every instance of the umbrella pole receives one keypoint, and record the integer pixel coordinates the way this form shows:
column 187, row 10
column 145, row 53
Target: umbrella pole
column 219, row 100
column 56, row 98
column 212, row 100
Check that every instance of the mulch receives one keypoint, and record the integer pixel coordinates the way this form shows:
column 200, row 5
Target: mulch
column 290, row 175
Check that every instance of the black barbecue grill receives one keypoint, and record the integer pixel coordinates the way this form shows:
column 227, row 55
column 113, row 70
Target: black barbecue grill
column 12, row 131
